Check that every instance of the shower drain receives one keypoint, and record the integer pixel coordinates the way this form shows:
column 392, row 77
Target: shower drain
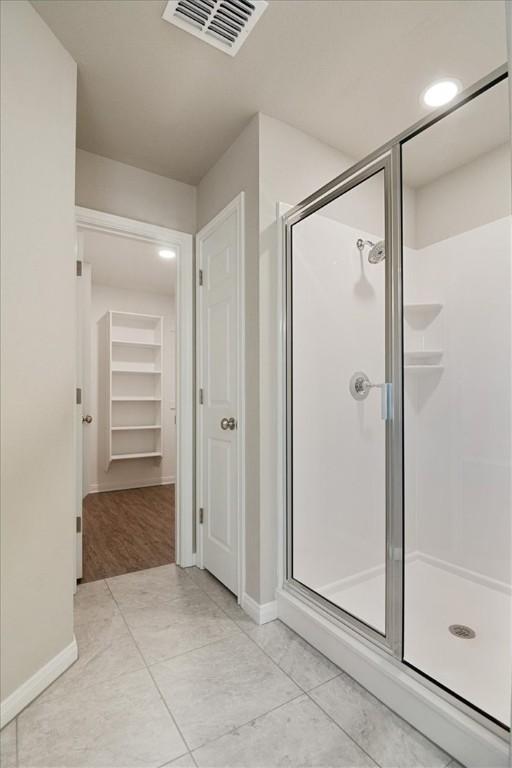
column 461, row 630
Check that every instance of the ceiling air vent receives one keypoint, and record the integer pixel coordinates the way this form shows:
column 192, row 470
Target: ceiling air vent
column 225, row 24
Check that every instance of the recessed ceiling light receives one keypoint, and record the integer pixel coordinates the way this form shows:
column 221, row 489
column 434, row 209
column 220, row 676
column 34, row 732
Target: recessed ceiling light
column 440, row 93
column 166, row 253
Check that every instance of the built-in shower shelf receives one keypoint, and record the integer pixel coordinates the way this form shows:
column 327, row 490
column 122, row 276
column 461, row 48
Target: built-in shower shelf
column 423, row 368
column 424, row 307
column 422, row 313
column 423, row 357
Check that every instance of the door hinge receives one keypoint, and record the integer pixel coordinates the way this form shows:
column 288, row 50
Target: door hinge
column 201, row 396
column 79, row 395
column 79, row 524
column 78, row 268
column 201, row 515
column 200, row 277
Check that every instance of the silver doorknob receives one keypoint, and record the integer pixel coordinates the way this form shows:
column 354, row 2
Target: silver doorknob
column 86, row 419
column 228, row 423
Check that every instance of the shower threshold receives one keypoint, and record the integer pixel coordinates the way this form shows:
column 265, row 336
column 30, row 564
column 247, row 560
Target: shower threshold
column 476, row 669
column 471, row 738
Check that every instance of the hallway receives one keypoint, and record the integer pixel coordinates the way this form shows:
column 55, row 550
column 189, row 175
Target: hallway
column 173, row 673
column 127, row 531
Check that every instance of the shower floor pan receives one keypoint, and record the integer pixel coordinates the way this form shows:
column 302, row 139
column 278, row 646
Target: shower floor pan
column 477, row 669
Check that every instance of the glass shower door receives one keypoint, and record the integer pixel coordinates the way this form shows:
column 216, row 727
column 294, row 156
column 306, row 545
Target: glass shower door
column 340, row 400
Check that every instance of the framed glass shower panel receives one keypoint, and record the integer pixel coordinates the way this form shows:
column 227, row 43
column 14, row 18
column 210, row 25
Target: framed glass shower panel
column 341, row 402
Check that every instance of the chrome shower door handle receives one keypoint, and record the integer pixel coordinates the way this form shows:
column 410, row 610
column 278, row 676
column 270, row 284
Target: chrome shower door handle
column 386, row 402
column 360, row 386
column 228, row 423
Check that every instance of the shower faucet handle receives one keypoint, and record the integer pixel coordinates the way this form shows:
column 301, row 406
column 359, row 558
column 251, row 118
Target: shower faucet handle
column 360, row 386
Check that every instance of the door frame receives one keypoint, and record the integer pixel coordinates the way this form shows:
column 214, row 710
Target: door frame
column 237, row 205
column 389, row 163
column 182, row 243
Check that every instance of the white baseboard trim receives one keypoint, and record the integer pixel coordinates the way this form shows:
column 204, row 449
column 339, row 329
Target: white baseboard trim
column 261, row 613
column 454, row 731
column 31, row 688
column 102, row 487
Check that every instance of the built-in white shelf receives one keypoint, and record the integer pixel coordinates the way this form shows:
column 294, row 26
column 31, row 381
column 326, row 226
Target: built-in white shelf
column 423, row 357
column 135, row 350
column 146, row 455
column 116, row 368
column 423, row 368
column 140, row 426
column 424, row 308
column 136, row 399
column 140, row 344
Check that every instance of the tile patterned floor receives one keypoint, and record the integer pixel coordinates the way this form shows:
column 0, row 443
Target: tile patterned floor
column 173, row 673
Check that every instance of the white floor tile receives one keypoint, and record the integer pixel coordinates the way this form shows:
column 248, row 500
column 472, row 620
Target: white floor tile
column 295, row 656
column 8, row 757
column 93, row 602
column 391, row 741
column 106, row 650
column 165, row 631
column 221, row 686
column 152, row 587
column 185, row 761
column 122, row 723
column 296, row 734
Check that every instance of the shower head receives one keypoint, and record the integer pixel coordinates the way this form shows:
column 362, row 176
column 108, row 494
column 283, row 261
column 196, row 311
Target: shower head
column 377, row 253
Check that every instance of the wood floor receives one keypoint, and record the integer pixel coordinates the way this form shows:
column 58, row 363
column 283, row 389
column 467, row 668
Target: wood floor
column 127, row 531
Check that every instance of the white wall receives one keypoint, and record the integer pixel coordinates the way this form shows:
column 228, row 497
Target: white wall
column 292, row 165
column 458, row 420
column 135, row 472
column 38, row 92
column 238, row 170
column 107, row 185
column 437, row 218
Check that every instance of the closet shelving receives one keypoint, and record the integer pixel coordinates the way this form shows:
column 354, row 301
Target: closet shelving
column 135, row 355
column 419, row 358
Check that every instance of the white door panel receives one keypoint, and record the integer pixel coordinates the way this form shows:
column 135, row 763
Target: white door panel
column 218, row 372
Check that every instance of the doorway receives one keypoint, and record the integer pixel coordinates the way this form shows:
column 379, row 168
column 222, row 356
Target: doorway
column 132, row 405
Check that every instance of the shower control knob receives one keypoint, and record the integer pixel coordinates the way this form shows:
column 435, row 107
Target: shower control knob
column 359, row 385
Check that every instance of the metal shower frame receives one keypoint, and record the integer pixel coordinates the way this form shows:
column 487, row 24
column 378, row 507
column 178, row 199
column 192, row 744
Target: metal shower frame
column 387, row 158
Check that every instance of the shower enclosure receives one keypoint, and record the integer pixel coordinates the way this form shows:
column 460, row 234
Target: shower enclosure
column 397, row 341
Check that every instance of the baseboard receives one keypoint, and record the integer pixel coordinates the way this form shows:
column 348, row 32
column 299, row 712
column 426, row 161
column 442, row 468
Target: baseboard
column 454, row 731
column 31, row 688
column 102, row 487
column 261, row 613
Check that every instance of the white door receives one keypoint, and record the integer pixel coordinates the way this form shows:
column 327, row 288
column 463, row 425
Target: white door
column 220, row 381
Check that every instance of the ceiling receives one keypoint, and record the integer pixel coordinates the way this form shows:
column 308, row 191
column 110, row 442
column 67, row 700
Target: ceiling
column 124, row 262
column 474, row 129
column 349, row 72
